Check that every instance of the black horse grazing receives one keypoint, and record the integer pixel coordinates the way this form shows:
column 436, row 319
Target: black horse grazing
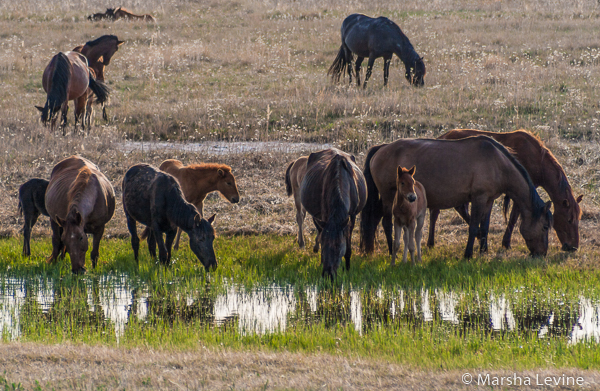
column 154, row 198
column 333, row 191
column 374, row 38
column 32, row 205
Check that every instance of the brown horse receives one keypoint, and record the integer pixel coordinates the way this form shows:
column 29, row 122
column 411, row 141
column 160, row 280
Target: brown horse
column 475, row 169
column 410, row 206
column 98, row 52
column 545, row 171
column 197, row 180
column 293, row 178
column 79, row 200
column 109, row 14
column 333, row 191
column 67, row 77
column 123, row 13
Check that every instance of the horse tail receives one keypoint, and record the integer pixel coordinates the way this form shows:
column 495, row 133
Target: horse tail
column 59, row 92
column 99, row 89
column 20, row 207
column 337, row 69
column 288, row 180
column 145, row 233
column 373, row 210
column 505, row 207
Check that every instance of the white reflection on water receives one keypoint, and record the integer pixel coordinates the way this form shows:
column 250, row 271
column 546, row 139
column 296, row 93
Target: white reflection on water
column 258, row 310
column 447, row 302
column 116, row 297
column 356, row 310
column 12, row 298
column 588, row 323
column 501, row 315
column 219, row 148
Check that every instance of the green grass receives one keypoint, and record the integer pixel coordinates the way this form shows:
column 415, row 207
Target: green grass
column 533, row 288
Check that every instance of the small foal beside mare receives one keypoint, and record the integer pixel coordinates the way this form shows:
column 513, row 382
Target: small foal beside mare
column 31, row 205
column 410, row 206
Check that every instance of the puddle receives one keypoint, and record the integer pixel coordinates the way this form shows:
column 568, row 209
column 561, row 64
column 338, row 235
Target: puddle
column 115, row 301
column 218, row 148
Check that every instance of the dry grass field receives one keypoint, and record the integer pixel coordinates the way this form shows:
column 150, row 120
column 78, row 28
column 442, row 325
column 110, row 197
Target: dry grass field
column 256, row 71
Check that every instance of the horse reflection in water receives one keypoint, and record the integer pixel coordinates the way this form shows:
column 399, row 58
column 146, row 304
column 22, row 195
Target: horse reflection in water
column 333, row 192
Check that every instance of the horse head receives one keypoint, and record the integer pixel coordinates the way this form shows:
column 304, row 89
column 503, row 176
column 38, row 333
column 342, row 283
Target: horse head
column 74, row 238
column 535, row 227
column 566, row 221
column 202, row 236
column 415, row 73
column 226, row 185
column 405, row 184
column 333, row 246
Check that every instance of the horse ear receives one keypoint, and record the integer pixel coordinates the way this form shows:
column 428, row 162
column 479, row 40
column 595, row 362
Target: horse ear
column 400, row 170
column 579, row 198
column 212, row 218
column 221, row 173
column 412, row 170
column 197, row 219
column 119, row 43
column 40, row 108
column 547, row 206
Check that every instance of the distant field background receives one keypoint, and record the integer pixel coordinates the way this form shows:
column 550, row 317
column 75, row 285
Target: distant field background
column 256, row 71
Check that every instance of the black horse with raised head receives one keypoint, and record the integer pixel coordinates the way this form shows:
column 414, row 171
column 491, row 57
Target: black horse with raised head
column 374, row 38
column 154, row 198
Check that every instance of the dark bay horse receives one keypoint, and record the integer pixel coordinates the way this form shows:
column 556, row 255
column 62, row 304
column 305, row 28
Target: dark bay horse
column 476, row 170
column 544, row 170
column 32, row 204
column 99, row 52
column 333, row 191
column 79, row 200
column 67, row 77
column 197, row 180
column 374, row 38
column 154, row 198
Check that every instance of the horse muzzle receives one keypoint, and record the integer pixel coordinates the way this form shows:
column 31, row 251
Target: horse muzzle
column 567, row 247
column 235, row 200
column 412, row 197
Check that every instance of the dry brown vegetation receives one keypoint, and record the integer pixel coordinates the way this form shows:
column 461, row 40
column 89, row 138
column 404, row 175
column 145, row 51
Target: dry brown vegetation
column 85, row 367
column 256, row 71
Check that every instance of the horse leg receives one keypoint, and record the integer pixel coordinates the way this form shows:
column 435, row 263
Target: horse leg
column 433, row 216
column 57, row 244
column 386, row 222
column 349, row 242
column 135, row 240
column 96, row 246
column 300, row 213
column 169, row 242
column 163, row 254
column 369, row 70
column 29, row 223
column 386, row 69
column 151, row 244
column 318, row 237
column 512, row 221
column 484, row 228
column 64, row 110
column 419, row 235
column 405, row 239
column 397, row 231
column 463, row 211
column 104, row 115
column 176, row 247
column 477, row 215
column 357, row 66
column 411, row 241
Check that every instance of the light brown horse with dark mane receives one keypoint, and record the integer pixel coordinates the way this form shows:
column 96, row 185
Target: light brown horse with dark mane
column 476, row 170
column 544, row 170
column 79, row 200
column 67, row 77
column 98, row 52
column 123, row 13
column 197, row 180
column 333, row 191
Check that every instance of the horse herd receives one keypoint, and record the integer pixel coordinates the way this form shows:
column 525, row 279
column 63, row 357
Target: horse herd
column 461, row 167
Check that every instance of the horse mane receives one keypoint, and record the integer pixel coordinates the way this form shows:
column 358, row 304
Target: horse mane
column 101, row 39
column 179, row 211
column 332, row 197
column 60, row 81
column 80, row 184
column 201, row 167
column 536, row 200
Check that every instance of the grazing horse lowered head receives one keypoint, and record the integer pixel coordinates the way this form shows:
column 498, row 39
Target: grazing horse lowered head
column 32, row 205
column 544, row 170
column 410, row 206
column 454, row 172
column 79, row 200
column 67, row 77
column 374, row 38
column 333, row 191
column 154, row 198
